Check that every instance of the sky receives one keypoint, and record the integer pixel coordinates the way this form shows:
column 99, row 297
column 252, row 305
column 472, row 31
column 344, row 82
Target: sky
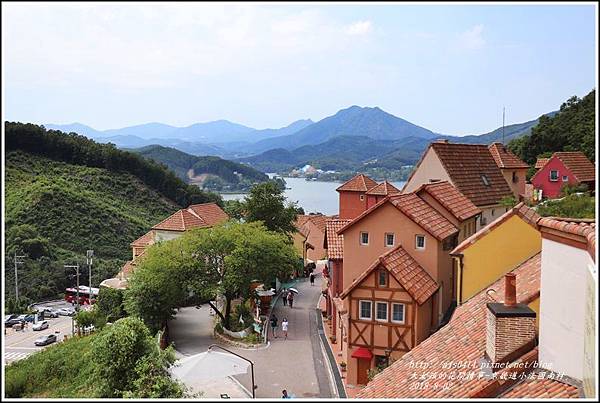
column 449, row 68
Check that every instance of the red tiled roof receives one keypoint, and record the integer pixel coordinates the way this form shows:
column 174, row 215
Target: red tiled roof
column 424, row 215
column 360, row 183
column 521, row 210
column 466, row 164
column 504, row 158
column 449, row 197
column 413, row 278
column 462, row 340
column 578, row 164
column 417, row 210
column 539, row 164
column 334, row 242
column 195, row 216
column 144, row 240
column 540, row 386
column 210, row 213
column 383, row 189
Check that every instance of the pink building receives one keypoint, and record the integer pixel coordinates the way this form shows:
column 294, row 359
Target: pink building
column 564, row 168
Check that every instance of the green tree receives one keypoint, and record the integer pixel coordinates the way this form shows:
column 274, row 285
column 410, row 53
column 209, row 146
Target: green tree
column 508, row 201
column 572, row 206
column 266, row 202
column 110, row 303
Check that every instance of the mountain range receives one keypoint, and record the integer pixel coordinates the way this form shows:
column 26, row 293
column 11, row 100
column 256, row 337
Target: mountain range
column 349, row 139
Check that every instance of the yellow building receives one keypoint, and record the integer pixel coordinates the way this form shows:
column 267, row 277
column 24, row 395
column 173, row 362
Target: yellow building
column 495, row 250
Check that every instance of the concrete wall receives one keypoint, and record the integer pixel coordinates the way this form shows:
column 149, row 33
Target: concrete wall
column 590, row 335
column 429, row 168
column 496, row 253
column 490, row 213
column 562, row 308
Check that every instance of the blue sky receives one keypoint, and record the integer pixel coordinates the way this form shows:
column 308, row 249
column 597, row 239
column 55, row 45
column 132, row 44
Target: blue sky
column 449, row 68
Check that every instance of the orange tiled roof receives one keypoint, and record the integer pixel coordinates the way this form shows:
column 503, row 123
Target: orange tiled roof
column 504, row 158
column 195, row 216
column 424, row 215
column 210, row 213
column 334, row 243
column 383, row 189
column 584, row 228
column 466, row 164
column 449, row 197
column 578, row 164
column 144, row 240
column 525, row 213
column 360, row 183
column 539, row 164
column 542, row 387
column 462, row 340
column 413, row 278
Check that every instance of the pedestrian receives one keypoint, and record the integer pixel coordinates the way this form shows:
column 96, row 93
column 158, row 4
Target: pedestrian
column 274, row 325
column 285, row 296
column 290, row 298
column 312, row 279
column 284, row 327
column 284, row 394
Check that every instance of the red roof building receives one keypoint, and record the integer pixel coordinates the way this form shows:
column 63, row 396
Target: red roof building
column 353, row 197
column 377, row 193
column 564, row 168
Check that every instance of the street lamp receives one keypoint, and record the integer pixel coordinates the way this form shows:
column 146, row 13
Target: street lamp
column 243, row 358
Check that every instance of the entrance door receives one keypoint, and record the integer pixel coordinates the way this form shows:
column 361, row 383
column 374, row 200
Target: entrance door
column 364, row 366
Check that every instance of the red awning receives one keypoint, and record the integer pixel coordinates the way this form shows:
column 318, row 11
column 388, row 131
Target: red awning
column 363, row 353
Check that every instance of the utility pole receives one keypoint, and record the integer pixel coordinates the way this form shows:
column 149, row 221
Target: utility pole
column 17, row 263
column 76, row 267
column 90, row 256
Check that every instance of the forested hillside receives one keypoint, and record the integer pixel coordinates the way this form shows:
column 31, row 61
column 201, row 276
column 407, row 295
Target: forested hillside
column 66, row 194
column 571, row 129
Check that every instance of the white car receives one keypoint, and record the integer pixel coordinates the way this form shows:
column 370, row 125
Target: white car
column 65, row 312
column 41, row 325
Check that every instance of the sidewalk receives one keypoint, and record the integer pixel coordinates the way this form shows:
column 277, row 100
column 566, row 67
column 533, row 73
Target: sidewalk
column 296, row 364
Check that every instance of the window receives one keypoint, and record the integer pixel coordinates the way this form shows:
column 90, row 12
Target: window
column 420, row 241
column 515, row 178
column 553, row 176
column 362, row 197
column 565, row 178
column 364, row 238
column 381, row 311
column 397, row 313
column 382, row 279
column 485, row 180
column 389, row 240
column 365, row 310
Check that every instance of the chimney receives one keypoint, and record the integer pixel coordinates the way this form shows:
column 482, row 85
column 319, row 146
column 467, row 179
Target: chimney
column 510, row 326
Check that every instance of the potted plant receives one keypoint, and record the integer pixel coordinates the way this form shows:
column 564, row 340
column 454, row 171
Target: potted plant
column 343, row 366
column 333, row 339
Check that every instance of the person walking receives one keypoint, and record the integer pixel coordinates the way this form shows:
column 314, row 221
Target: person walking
column 290, row 298
column 274, row 325
column 284, row 296
column 284, row 328
column 312, row 279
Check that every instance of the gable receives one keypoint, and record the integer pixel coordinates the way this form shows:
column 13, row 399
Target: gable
column 428, row 167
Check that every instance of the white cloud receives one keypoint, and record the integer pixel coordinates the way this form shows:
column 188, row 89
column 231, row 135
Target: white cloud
column 359, row 28
column 472, row 39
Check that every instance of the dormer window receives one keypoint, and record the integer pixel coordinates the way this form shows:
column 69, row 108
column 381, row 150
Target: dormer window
column 485, row 180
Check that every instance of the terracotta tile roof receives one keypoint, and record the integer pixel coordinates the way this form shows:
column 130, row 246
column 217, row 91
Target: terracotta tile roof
column 334, row 243
column 467, row 165
column 539, row 164
column 413, row 278
column 383, row 189
column 521, row 210
column 462, row 340
column 449, row 197
column 578, row 164
column 504, row 158
column 127, row 269
column 424, row 215
column 195, row 216
column 319, row 221
column 144, row 240
column 417, row 210
column 360, row 183
column 584, row 228
column 210, row 213
column 541, row 386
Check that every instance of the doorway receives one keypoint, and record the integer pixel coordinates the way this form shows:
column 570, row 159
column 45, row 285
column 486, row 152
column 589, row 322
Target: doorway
column 364, row 366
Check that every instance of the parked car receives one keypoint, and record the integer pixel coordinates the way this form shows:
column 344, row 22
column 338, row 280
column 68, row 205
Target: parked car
column 50, row 313
column 66, row 312
column 41, row 325
column 45, row 340
column 29, row 318
column 13, row 321
column 9, row 317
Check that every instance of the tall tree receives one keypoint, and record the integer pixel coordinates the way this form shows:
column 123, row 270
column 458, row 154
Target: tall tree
column 267, row 203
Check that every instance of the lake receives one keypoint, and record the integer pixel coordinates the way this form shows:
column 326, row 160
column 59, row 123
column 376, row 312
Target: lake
column 312, row 196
